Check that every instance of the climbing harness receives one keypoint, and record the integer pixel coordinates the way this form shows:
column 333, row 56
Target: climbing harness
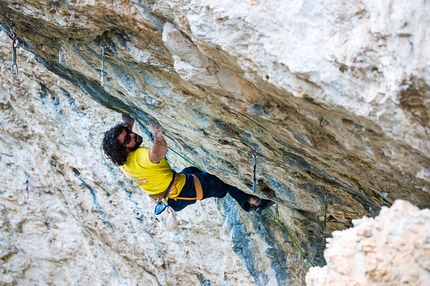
column 199, row 191
column 254, row 176
column 15, row 44
column 276, row 219
column 102, row 72
column 27, row 192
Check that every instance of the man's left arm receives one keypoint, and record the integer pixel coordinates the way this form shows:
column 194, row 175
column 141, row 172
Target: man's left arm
column 159, row 149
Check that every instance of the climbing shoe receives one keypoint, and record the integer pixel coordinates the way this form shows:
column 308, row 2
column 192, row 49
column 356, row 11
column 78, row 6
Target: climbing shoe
column 264, row 204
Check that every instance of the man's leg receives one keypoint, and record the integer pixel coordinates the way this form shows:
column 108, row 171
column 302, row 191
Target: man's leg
column 215, row 187
column 212, row 187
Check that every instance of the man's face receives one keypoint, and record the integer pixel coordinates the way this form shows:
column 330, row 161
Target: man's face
column 129, row 139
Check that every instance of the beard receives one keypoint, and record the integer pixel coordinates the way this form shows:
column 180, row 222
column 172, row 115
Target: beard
column 138, row 140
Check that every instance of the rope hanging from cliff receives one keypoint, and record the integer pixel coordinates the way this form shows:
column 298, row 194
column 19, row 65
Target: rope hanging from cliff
column 276, row 219
column 254, row 187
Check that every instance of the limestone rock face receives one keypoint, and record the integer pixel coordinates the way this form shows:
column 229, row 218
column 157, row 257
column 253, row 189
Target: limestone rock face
column 333, row 97
column 392, row 249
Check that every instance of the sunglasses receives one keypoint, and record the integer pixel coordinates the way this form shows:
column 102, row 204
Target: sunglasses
column 127, row 137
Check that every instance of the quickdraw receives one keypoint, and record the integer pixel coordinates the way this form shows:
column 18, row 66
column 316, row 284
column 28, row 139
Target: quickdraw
column 254, row 176
column 27, row 191
column 325, row 209
column 102, row 72
column 15, row 44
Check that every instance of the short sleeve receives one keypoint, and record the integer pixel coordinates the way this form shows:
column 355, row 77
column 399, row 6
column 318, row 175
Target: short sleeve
column 142, row 157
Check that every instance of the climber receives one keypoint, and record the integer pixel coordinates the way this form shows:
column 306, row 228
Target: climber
column 149, row 168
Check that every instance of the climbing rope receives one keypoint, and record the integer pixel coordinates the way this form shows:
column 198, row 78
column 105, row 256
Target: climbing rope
column 15, row 44
column 254, row 188
column 185, row 159
column 276, row 219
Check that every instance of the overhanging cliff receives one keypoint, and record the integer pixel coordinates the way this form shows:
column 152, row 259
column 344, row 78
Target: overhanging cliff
column 333, row 97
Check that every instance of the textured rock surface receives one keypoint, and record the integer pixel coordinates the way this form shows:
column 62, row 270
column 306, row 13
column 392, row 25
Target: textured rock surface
column 392, row 249
column 83, row 223
column 333, row 97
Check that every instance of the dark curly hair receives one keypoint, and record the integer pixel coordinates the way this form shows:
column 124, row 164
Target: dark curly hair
column 111, row 146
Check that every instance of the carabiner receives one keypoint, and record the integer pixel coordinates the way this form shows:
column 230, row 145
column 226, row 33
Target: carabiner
column 14, row 69
column 15, row 44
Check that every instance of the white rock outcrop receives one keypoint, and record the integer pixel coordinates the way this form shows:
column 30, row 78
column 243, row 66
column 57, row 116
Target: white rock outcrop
column 391, row 249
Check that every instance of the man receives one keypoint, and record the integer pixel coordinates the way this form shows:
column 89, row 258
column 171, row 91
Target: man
column 151, row 171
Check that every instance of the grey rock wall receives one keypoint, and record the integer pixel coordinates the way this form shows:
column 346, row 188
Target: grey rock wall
column 333, row 97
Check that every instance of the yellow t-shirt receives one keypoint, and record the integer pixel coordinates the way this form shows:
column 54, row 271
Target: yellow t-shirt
column 153, row 179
